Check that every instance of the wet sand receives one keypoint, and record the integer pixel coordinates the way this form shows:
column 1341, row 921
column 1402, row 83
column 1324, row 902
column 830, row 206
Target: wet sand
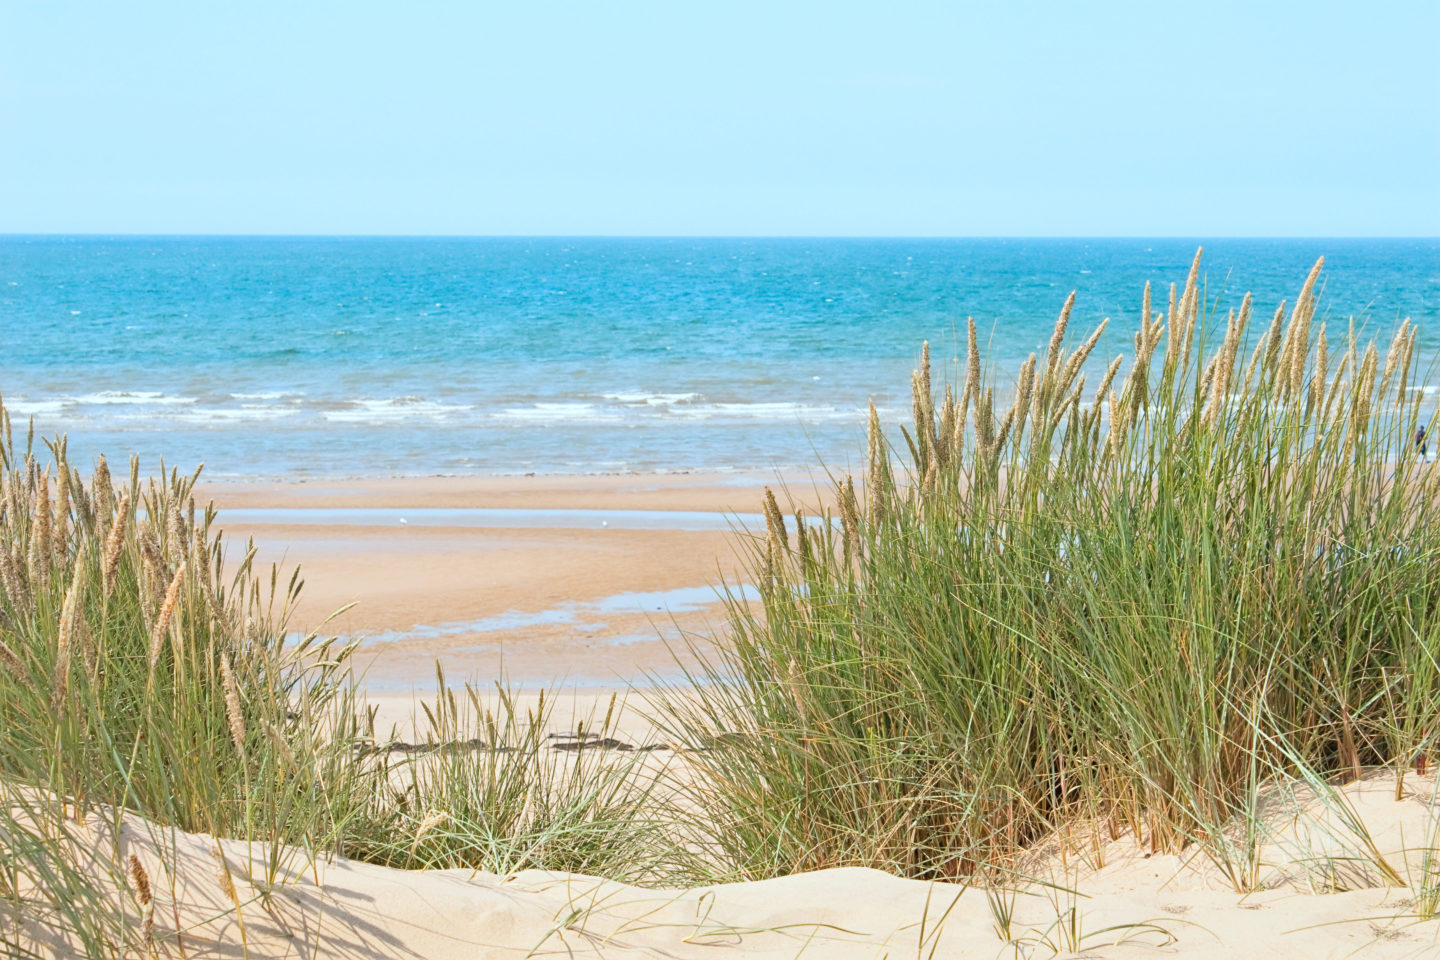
column 582, row 582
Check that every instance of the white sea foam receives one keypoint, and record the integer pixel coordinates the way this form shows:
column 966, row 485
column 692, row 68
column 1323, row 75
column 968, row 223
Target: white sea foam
column 366, row 410
column 566, row 412
column 653, row 399
column 122, row 397
column 36, row 408
column 274, row 395
column 673, row 410
column 47, row 406
column 773, row 412
column 245, row 413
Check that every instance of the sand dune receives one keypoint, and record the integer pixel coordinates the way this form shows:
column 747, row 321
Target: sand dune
column 1129, row 905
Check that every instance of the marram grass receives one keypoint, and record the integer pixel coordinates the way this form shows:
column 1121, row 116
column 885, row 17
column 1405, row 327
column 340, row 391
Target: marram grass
column 139, row 676
column 1127, row 606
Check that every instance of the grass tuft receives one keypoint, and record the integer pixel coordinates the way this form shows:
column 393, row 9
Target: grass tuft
column 1132, row 607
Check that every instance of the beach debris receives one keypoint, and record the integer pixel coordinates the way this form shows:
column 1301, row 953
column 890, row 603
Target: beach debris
column 565, row 742
column 586, row 743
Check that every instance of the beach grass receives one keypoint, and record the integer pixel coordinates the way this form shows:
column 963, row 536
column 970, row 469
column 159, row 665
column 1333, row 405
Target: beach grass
column 1130, row 606
column 490, row 786
column 139, row 676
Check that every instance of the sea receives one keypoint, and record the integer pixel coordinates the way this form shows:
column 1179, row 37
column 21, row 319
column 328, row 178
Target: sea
column 335, row 357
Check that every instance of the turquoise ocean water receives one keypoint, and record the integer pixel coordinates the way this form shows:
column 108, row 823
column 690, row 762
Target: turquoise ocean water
column 316, row 357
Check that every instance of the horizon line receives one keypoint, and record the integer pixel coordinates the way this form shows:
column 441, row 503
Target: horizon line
column 10, row 235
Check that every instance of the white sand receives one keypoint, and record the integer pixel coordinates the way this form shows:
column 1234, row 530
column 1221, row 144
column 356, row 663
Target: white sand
column 1133, row 905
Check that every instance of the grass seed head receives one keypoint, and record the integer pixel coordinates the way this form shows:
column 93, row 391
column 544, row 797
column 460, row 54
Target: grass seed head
column 15, row 579
column 115, row 543
column 1024, row 396
column 10, row 662
column 61, row 530
column 43, row 549
column 1078, row 358
column 104, row 496
column 1317, row 379
column 139, row 881
column 140, row 888
column 1002, row 435
column 163, row 618
column 430, row 821
column 875, row 468
column 945, row 434
column 1105, row 381
column 1365, row 392
column 850, row 518
column 1242, row 321
column 1192, row 282
column 1394, row 355
column 1298, row 336
column 924, row 420
column 925, row 396
column 1117, row 427
column 972, row 361
column 233, row 711
column 1057, row 337
column 67, row 635
column 1305, row 303
column 273, row 734
column 1406, row 361
column 175, row 538
column 1274, row 340
column 222, row 874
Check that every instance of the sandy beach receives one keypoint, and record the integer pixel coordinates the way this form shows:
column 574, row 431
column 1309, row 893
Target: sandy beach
column 583, row 582
column 1115, row 902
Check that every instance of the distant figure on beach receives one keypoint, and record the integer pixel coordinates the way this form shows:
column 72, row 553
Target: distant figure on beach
column 1421, row 444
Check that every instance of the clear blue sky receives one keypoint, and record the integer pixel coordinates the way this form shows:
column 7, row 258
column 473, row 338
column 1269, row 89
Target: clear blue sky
column 993, row 118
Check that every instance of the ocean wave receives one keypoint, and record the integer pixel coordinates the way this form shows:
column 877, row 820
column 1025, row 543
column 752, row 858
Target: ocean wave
column 776, row 411
column 129, row 397
column 35, row 408
column 653, row 399
column 245, row 413
column 622, row 409
column 53, row 406
column 366, row 410
column 650, row 413
column 291, row 395
column 569, row 412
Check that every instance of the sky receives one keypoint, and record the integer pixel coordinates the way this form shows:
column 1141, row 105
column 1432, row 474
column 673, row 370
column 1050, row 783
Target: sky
column 687, row 118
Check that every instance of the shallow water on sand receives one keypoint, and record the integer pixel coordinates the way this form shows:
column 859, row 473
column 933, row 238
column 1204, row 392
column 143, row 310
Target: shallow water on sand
column 579, row 616
column 494, row 517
